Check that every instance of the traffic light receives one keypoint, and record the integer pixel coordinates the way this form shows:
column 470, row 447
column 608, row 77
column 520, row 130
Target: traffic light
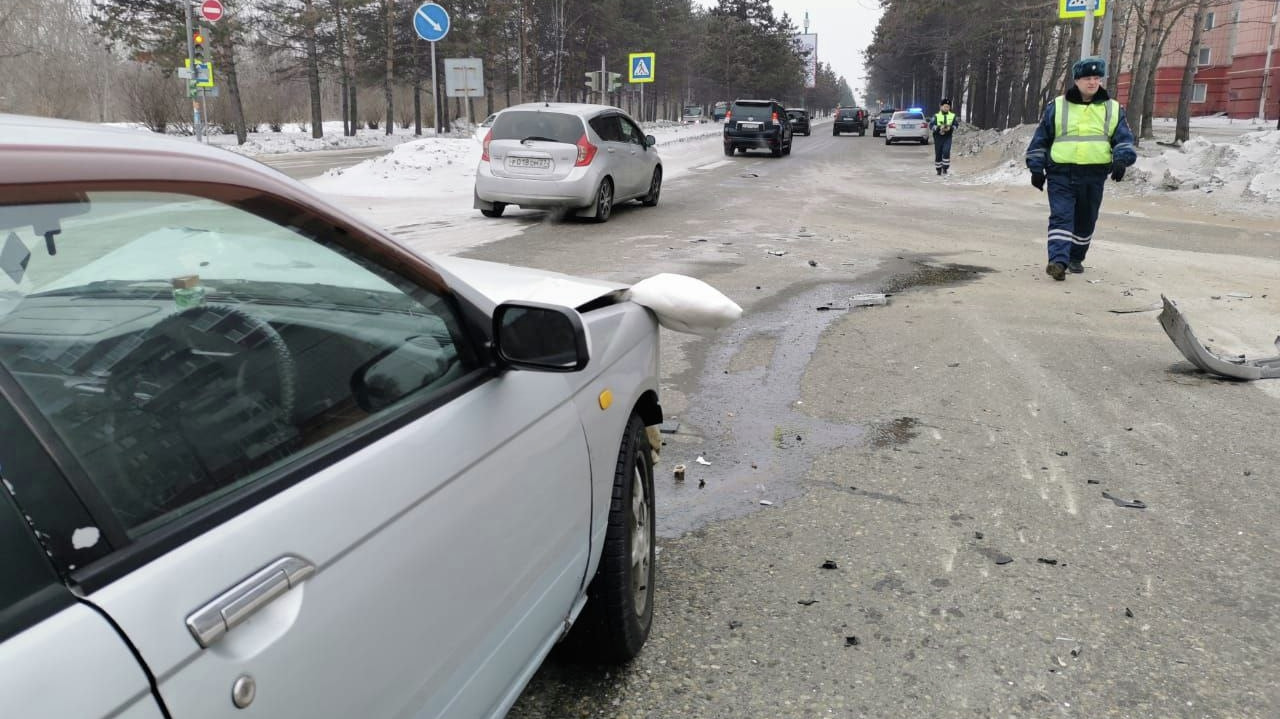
column 593, row 81
column 615, row 81
column 200, row 44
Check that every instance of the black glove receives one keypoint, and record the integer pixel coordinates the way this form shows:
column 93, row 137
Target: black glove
column 1037, row 180
column 1117, row 172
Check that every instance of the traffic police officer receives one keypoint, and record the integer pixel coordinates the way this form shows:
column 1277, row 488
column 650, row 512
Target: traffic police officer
column 1083, row 138
column 942, row 124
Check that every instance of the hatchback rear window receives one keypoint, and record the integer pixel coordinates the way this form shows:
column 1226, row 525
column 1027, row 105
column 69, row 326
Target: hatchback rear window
column 524, row 124
column 849, row 114
column 907, row 116
column 752, row 110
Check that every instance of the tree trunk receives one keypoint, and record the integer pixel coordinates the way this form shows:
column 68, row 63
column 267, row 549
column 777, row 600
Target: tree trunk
column 389, row 35
column 1183, row 131
column 227, row 58
column 1149, row 102
column 1140, row 73
column 309, row 17
column 344, row 71
column 353, row 107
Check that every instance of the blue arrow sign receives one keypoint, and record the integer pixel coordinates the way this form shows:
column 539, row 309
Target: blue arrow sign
column 431, row 22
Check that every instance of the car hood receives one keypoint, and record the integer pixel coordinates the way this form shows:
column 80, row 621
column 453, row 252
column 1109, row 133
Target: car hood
column 498, row 283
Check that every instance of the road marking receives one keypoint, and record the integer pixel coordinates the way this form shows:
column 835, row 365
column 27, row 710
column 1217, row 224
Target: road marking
column 714, row 165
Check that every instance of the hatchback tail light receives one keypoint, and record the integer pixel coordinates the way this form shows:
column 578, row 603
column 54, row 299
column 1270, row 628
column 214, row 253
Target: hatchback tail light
column 774, row 118
column 586, row 151
column 891, row 125
column 484, row 154
column 728, row 116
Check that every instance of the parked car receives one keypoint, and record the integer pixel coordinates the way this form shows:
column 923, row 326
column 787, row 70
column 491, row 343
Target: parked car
column 692, row 114
column 252, row 445
column 719, row 110
column 907, row 125
column 849, row 119
column 882, row 121
column 799, row 120
column 757, row 124
column 583, row 158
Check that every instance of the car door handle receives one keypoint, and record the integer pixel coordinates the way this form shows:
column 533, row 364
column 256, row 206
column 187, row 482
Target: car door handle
column 232, row 607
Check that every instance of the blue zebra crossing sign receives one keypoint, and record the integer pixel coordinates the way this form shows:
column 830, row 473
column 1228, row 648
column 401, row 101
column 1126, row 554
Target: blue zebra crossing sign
column 641, row 67
column 1076, row 8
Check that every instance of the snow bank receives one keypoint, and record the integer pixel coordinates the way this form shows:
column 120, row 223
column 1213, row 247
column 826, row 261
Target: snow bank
column 446, row 165
column 1199, row 164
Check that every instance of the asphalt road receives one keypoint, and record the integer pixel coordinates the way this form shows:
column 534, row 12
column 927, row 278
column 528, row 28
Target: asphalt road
column 948, row 452
column 301, row 165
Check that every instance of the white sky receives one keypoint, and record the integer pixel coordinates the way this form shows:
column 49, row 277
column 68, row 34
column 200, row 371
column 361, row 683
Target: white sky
column 844, row 29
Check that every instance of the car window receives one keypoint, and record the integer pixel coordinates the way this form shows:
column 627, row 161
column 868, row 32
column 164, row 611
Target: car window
column 181, row 347
column 29, row 588
column 630, row 133
column 606, row 126
column 908, row 116
column 523, row 124
column 757, row 111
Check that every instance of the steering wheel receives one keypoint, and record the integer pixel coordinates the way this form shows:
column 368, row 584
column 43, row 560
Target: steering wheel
column 194, row 407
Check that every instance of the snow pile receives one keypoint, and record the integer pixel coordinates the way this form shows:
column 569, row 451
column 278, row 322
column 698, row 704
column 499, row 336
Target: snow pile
column 411, row 169
column 293, row 139
column 1251, row 160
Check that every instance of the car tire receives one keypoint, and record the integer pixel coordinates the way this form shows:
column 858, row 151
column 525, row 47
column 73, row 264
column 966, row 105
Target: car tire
column 655, row 189
column 728, row 150
column 498, row 209
column 604, row 201
column 835, row 133
column 616, row 621
column 862, row 133
column 887, row 141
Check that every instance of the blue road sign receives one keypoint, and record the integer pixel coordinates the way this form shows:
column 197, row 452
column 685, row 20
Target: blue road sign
column 431, row 22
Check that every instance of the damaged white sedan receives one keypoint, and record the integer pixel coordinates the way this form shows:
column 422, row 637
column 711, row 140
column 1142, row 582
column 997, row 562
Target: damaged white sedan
column 257, row 454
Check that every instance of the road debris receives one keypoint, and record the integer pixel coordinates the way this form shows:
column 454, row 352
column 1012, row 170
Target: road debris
column 813, row 263
column 670, row 427
column 851, row 641
column 1240, row 295
column 777, row 253
column 1045, row 560
column 830, row 564
column 873, row 299
column 1062, row 453
column 1128, row 612
column 766, row 503
column 734, row 624
column 978, row 535
column 1132, row 503
column 953, row 364
column 701, row 483
column 1179, row 330
column 1133, row 310
column 678, row 471
column 807, row 602
column 702, row 461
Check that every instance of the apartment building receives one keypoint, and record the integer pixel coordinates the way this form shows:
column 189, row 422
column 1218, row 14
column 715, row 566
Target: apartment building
column 1231, row 62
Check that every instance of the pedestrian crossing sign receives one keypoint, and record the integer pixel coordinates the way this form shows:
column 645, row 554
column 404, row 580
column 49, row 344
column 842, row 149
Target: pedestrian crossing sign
column 641, row 67
column 1077, row 8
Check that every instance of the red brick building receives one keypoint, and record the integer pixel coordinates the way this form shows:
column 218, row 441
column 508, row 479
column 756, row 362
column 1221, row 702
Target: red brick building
column 1231, row 62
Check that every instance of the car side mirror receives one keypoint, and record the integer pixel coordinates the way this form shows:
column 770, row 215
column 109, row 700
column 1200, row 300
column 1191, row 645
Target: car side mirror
column 539, row 337
column 650, row 140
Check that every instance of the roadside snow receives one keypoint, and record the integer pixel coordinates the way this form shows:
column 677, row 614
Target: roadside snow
column 447, row 166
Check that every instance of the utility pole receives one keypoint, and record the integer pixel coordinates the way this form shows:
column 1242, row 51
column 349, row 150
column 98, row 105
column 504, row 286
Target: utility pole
column 1105, row 50
column 604, row 83
column 197, row 100
column 1086, row 39
column 944, row 73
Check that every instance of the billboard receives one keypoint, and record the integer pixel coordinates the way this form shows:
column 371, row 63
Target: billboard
column 808, row 43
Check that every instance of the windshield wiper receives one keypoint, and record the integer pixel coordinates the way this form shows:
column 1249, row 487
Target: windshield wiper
column 540, row 138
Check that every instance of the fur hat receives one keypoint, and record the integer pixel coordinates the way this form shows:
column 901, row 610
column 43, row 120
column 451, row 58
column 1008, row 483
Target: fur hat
column 1089, row 67
column 945, row 101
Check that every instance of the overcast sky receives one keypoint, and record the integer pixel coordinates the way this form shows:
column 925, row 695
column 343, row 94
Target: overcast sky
column 844, row 29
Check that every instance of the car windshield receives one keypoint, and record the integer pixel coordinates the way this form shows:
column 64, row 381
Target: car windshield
column 752, row 111
column 693, row 111
column 537, row 124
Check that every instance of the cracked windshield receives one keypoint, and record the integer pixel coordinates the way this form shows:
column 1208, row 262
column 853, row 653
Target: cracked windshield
column 640, row 359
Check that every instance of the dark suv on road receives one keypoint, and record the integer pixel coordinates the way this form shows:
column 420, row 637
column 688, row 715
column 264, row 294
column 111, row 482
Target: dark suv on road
column 850, row 119
column 882, row 121
column 757, row 123
column 799, row 121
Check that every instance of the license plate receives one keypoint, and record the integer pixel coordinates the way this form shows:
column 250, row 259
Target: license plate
column 540, row 163
column 748, row 126
column 909, row 127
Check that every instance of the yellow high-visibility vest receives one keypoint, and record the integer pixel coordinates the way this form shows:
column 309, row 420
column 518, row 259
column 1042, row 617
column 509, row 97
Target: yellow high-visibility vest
column 1084, row 132
column 944, row 119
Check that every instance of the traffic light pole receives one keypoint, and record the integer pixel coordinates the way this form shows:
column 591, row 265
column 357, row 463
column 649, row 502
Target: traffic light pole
column 197, row 103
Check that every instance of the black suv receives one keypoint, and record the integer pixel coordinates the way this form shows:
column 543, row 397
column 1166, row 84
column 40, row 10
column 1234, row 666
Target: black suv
column 882, row 121
column 850, row 119
column 757, row 123
column 799, row 120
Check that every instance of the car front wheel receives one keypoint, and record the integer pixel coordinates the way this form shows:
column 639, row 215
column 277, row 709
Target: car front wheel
column 619, row 613
column 655, row 189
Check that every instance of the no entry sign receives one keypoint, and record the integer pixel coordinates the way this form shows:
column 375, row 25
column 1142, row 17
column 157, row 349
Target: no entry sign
column 211, row 10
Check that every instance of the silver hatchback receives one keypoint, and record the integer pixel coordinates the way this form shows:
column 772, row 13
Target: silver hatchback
column 585, row 158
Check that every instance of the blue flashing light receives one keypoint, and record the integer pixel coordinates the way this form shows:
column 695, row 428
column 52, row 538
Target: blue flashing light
column 915, row 109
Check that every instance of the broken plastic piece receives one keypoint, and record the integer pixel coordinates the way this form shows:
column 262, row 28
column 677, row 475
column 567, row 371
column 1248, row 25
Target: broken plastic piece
column 807, row 602
column 734, row 624
column 1176, row 326
column 766, row 503
column 1051, row 562
column 1134, row 503
column 1128, row 612
column 869, row 300
column 830, row 564
column 851, row 641
column 702, row 461
column 670, row 427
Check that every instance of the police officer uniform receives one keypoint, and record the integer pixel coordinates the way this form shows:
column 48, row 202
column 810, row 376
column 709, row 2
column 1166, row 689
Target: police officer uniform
column 1076, row 146
column 942, row 124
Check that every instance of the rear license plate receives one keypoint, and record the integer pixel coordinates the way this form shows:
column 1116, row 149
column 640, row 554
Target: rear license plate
column 748, row 126
column 540, row 163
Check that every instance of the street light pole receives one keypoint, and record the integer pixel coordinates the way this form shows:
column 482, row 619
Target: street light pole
column 1086, row 42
